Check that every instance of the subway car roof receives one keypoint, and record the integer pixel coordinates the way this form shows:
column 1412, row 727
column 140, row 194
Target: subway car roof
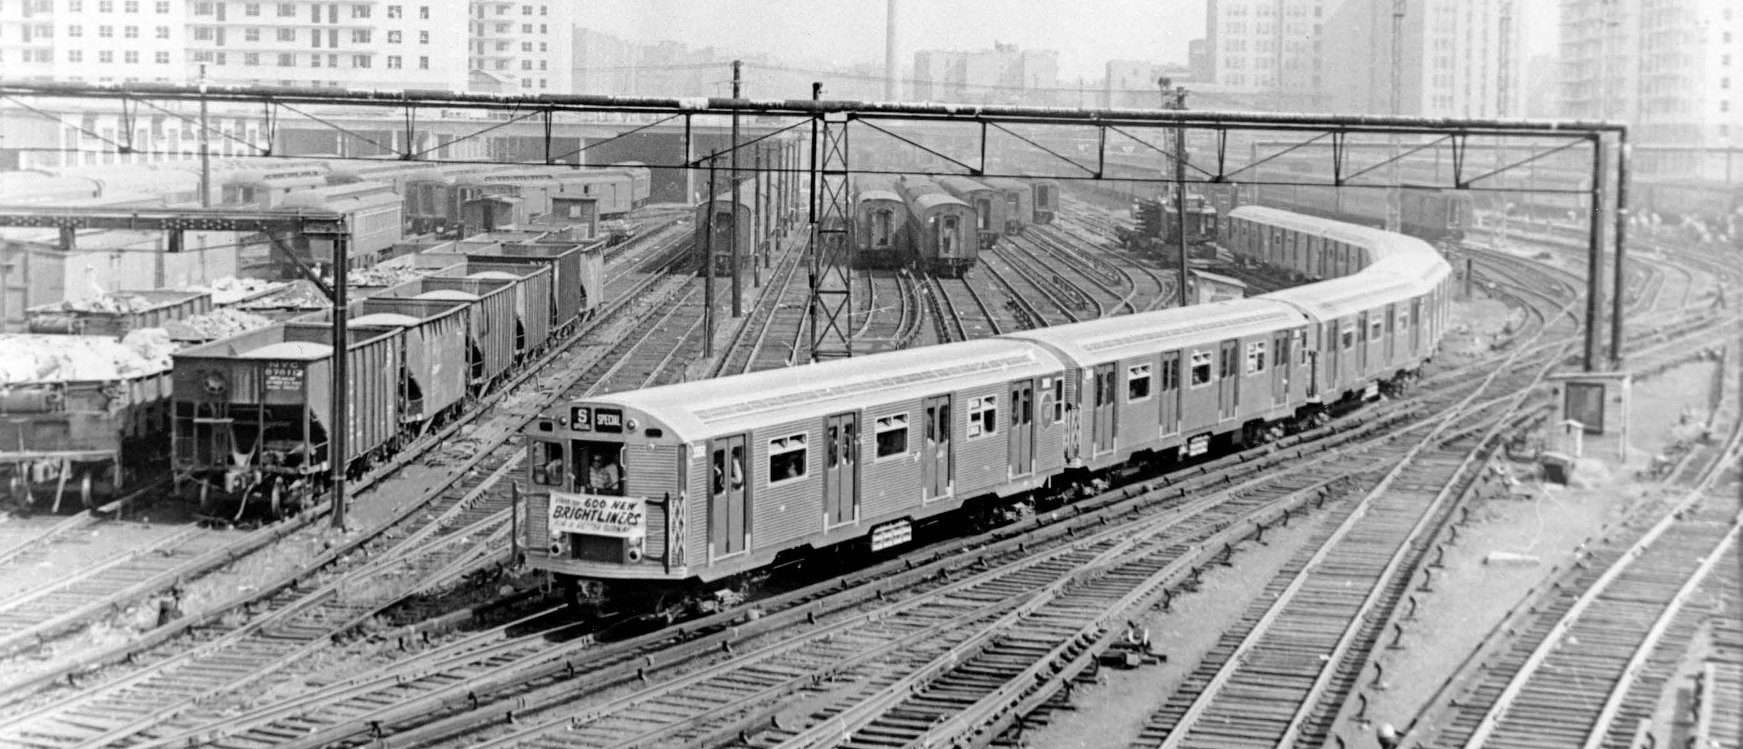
column 1111, row 338
column 730, row 405
column 872, row 195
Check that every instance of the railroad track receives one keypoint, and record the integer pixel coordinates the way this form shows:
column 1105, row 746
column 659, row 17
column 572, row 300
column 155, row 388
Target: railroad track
column 172, row 675
column 1282, row 674
column 959, row 312
column 1627, row 606
column 1022, row 288
column 435, row 704
column 893, row 315
column 768, row 337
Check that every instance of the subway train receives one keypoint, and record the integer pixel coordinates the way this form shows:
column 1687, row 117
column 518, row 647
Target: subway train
column 699, row 487
column 941, row 228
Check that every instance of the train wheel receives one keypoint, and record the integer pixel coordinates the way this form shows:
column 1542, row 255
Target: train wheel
column 205, row 498
column 275, row 500
column 85, row 491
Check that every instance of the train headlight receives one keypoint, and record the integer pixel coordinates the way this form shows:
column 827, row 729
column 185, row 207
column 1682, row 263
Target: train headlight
column 636, row 549
column 214, row 383
column 558, row 548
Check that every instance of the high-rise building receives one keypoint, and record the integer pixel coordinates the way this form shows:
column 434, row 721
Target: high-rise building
column 1671, row 69
column 1457, row 58
column 521, row 46
column 1274, row 47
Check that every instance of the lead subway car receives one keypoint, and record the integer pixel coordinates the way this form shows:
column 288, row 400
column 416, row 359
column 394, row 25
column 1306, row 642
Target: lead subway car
column 720, row 477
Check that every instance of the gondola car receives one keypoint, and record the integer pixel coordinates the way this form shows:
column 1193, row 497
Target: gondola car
column 715, row 485
column 941, row 228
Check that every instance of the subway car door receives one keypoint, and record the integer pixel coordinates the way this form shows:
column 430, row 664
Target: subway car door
column 1170, row 394
column 1280, row 367
column 1332, row 351
column 1415, row 326
column 1391, row 334
column 1021, row 439
column 1362, row 344
column 1228, row 384
column 1104, row 413
column 841, row 470
column 728, row 500
column 935, row 457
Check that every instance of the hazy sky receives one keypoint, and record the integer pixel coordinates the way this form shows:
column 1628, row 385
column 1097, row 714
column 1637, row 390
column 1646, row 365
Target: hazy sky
column 1086, row 33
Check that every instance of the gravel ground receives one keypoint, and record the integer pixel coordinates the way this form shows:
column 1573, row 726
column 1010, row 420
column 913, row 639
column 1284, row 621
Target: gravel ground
column 1544, row 524
column 1110, row 712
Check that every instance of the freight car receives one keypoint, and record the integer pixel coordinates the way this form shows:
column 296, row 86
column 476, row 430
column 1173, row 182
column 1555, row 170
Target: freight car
column 84, row 399
column 940, row 228
column 701, row 486
column 251, row 413
column 988, row 203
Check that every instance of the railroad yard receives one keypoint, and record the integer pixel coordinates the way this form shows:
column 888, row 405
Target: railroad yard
column 1309, row 483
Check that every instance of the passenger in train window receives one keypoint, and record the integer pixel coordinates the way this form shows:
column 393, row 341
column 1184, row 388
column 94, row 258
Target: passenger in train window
column 603, row 477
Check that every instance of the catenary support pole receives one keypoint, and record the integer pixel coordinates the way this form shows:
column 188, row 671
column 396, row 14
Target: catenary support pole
column 708, row 261
column 340, row 424
column 1622, row 156
column 737, row 252
column 1595, row 257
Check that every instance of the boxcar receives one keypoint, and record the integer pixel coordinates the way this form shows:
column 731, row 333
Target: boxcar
column 988, row 203
column 252, row 412
column 880, row 232
column 718, row 477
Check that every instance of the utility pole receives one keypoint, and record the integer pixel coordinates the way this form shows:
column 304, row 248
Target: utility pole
column 205, row 150
column 737, row 295
column 1174, row 98
column 708, row 263
column 1395, row 197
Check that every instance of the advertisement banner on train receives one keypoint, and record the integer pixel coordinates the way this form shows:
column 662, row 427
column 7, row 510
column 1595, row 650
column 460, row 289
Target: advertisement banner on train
column 600, row 515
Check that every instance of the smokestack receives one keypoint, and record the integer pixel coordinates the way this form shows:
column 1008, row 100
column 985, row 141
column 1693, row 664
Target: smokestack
column 892, row 66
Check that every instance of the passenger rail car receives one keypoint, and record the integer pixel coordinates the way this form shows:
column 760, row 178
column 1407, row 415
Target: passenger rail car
column 1019, row 203
column 1045, row 200
column 268, row 187
column 719, row 220
column 880, row 230
column 988, row 203
column 373, row 212
column 672, row 493
column 940, row 228
column 1432, row 215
